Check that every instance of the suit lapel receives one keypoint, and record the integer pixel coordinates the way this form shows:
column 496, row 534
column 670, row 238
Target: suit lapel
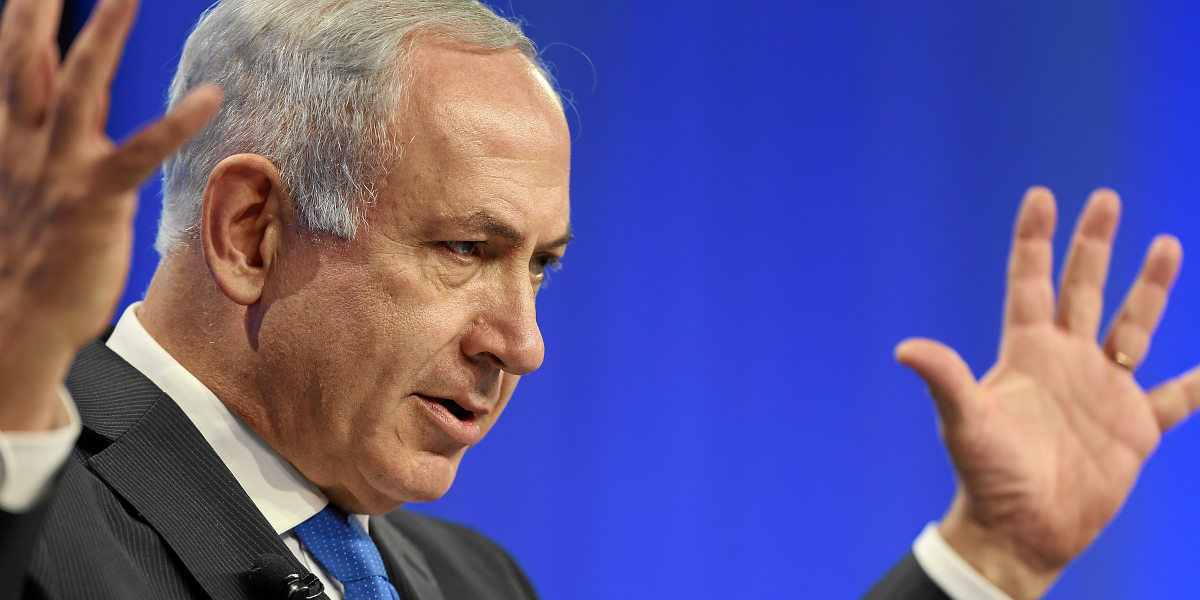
column 406, row 564
column 161, row 465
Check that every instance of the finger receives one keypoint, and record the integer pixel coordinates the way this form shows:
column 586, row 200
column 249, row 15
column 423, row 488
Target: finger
column 1030, row 296
column 1134, row 326
column 37, row 89
column 949, row 379
column 28, row 22
column 1081, row 294
column 26, row 27
column 51, row 59
column 1174, row 400
column 136, row 160
column 89, row 68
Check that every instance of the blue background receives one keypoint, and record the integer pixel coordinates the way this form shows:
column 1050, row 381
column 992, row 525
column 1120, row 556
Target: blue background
column 767, row 197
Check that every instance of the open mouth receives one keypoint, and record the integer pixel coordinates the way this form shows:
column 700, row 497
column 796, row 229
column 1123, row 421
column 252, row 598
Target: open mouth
column 458, row 422
column 461, row 413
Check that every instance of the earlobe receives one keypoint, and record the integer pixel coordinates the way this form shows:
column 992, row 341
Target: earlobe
column 240, row 224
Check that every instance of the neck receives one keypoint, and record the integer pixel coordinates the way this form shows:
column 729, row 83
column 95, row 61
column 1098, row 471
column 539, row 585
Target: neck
column 204, row 331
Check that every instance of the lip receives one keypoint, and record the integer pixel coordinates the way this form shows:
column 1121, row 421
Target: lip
column 464, row 431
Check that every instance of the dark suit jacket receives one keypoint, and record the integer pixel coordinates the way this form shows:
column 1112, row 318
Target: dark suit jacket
column 145, row 509
column 906, row 581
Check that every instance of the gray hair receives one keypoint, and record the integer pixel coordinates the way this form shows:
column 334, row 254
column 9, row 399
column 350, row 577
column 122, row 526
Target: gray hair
column 313, row 86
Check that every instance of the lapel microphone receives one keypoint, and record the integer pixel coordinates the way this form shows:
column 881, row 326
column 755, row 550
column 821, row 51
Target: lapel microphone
column 273, row 577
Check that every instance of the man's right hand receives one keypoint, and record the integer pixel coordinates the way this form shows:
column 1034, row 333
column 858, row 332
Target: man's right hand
column 1048, row 444
column 67, row 195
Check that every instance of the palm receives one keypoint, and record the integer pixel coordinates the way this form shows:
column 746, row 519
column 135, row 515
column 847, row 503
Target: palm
column 67, row 193
column 69, row 261
column 1057, row 443
column 1048, row 444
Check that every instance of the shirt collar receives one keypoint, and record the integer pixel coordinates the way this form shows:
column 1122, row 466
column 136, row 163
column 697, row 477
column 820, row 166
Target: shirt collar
column 279, row 491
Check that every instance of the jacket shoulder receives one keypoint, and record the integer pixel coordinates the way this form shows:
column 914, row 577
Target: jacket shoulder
column 463, row 561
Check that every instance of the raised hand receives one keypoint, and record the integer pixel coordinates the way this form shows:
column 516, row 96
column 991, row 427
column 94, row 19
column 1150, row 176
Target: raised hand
column 1048, row 444
column 67, row 195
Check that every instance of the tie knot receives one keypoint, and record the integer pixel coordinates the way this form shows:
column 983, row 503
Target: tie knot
column 341, row 545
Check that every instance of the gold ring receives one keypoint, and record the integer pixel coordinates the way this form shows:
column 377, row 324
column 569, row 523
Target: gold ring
column 1123, row 360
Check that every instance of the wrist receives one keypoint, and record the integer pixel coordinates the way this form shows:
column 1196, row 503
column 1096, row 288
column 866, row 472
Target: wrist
column 1012, row 567
column 31, row 369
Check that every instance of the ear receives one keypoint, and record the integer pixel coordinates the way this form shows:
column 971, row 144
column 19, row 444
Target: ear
column 241, row 224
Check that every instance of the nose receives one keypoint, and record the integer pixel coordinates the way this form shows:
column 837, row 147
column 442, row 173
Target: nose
column 506, row 330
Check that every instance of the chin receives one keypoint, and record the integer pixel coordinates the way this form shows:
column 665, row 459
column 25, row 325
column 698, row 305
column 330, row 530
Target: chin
column 378, row 502
column 424, row 478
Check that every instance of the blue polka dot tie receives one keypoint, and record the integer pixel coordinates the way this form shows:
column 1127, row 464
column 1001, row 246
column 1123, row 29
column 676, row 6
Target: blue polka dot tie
column 341, row 545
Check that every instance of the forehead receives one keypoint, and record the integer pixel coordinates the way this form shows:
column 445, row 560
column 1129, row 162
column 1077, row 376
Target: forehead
column 481, row 124
column 474, row 100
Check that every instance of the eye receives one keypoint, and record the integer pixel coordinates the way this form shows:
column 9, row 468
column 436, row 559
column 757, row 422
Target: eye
column 462, row 248
column 542, row 266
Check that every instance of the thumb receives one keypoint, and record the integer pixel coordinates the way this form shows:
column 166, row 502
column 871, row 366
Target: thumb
column 949, row 378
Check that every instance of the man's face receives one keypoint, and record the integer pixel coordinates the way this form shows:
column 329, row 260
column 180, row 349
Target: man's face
column 387, row 357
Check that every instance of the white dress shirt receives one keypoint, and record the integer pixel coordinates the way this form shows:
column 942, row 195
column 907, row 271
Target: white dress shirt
column 949, row 571
column 28, row 463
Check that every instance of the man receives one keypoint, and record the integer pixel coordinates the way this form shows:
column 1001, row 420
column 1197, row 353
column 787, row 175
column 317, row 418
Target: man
column 342, row 327
column 351, row 255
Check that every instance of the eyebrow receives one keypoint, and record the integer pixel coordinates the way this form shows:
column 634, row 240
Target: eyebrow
column 562, row 240
column 490, row 224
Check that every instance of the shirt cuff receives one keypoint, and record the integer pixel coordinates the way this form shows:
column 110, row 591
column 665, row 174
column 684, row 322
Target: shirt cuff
column 29, row 461
column 949, row 571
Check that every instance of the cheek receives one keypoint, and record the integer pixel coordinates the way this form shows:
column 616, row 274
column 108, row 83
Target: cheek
column 421, row 317
column 327, row 351
column 365, row 338
column 373, row 323
column 379, row 423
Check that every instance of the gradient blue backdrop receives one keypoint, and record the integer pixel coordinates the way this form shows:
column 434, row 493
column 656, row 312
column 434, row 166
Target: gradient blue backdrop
column 768, row 196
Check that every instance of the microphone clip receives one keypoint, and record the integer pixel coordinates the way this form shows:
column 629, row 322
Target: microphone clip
column 302, row 588
column 274, row 577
